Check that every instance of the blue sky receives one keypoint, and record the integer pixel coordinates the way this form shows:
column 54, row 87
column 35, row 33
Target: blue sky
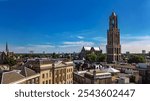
column 67, row 25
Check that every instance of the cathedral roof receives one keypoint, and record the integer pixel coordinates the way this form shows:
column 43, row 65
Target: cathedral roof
column 87, row 48
column 96, row 48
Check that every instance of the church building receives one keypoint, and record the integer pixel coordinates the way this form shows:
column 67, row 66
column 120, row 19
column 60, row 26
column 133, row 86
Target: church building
column 5, row 54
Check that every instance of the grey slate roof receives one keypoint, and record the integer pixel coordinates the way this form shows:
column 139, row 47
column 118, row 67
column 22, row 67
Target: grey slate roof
column 27, row 72
column 9, row 77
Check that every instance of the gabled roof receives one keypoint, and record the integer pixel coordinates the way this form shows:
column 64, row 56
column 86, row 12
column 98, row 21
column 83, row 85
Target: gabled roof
column 9, row 77
column 97, row 48
column 87, row 48
column 27, row 72
column 60, row 64
column 111, row 70
column 2, row 53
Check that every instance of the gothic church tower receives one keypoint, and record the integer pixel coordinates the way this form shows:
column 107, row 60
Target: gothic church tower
column 113, row 40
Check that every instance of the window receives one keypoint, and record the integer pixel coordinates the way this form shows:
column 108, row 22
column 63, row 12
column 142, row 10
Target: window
column 43, row 76
column 43, row 82
column 46, row 81
column 49, row 81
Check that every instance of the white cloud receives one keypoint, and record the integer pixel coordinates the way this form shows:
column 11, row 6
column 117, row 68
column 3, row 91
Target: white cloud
column 134, row 44
column 78, row 43
column 101, row 40
column 129, row 37
column 73, row 46
column 37, row 48
column 42, row 46
column 80, row 37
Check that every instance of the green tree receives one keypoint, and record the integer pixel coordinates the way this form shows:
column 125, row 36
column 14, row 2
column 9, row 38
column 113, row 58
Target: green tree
column 101, row 57
column 91, row 57
column 54, row 55
column 10, row 61
column 136, row 59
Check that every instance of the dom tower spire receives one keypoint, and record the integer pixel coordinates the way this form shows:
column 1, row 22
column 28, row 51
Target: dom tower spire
column 7, row 50
column 113, row 40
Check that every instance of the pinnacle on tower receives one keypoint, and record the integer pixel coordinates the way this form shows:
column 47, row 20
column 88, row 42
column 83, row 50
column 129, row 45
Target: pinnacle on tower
column 7, row 50
column 113, row 13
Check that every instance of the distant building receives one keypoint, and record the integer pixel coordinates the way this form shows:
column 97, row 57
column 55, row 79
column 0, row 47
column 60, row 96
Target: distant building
column 143, row 51
column 144, row 72
column 113, row 40
column 88, row 50
column 92, row 77
column 130, row 72
column 124, row 80
column 5, row 54
column 3, row 57
column 127, row 53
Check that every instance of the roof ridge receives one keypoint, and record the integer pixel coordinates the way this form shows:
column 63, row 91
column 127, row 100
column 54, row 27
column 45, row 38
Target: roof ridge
column 10, row 72
column 25, row 68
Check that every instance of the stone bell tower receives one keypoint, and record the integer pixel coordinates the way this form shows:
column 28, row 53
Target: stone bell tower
column 113, row 40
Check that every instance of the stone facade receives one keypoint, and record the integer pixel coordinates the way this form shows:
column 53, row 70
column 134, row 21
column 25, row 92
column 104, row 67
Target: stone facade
column 113, row 40
column 52, row 72
column 63, row 73
column 92, row 77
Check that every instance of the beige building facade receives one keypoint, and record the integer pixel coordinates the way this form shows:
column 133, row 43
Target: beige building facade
column 52, row 72
column 40, row 71
column 63, row 73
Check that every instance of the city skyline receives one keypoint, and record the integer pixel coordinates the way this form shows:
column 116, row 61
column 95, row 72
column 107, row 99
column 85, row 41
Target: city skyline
column 67, row 26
